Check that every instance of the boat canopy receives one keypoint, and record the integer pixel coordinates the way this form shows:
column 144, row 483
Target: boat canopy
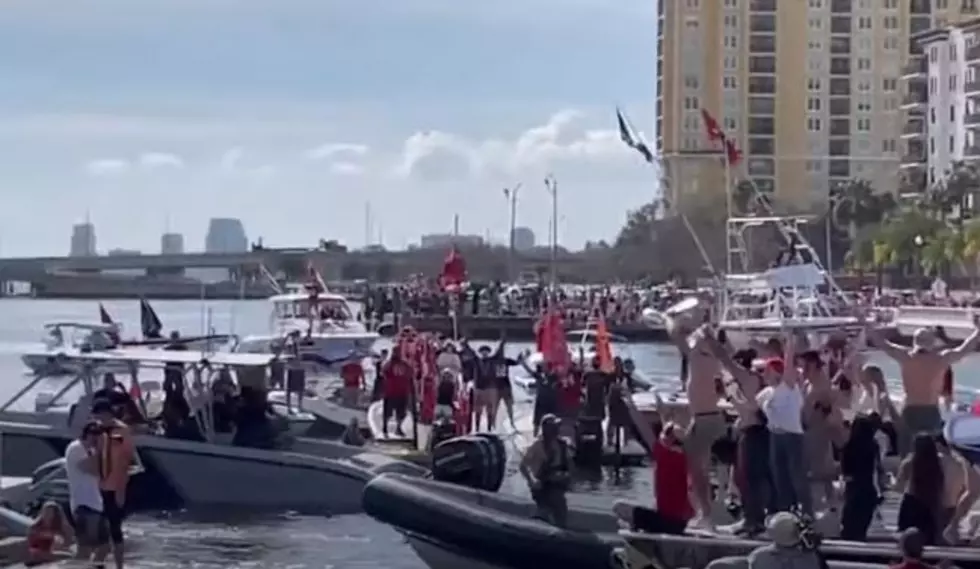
column 791, row 276
column 163, row 357
column 88, row 326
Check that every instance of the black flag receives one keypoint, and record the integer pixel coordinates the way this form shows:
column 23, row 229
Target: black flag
column 629, row 137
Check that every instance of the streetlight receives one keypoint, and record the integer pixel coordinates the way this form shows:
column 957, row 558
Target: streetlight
column 551, row 185
column 511, row 195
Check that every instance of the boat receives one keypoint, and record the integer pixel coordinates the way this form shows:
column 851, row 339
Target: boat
column 696, row 549
column 956, row 321
column 299, row 474
column 962, row 432
column 451, row 526
column 321, row 323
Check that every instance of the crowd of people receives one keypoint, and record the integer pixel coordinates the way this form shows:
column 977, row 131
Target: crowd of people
column 619, row 305
column 815, row 430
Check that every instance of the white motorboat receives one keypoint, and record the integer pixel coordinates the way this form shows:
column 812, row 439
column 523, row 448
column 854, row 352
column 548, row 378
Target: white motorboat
column 63, row 340
column 956, row 321
column 320, row 323
column 300, row 474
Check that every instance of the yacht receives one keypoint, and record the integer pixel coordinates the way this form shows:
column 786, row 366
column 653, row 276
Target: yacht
column 289, row 473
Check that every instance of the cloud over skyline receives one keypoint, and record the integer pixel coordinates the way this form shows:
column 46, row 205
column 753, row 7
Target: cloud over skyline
column 386, row 112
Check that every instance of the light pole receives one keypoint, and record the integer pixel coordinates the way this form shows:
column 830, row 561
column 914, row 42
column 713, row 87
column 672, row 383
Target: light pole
column 511, row 195
column 551, row 185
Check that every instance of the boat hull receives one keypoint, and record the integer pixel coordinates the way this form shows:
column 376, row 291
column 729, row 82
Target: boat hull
column 330, row 347
column 317, row 477
column 438, row 555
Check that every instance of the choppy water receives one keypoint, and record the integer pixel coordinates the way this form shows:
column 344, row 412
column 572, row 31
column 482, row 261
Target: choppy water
column 290, row 541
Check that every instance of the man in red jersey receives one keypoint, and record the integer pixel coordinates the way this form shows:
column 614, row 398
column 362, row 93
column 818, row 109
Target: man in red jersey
column 670, row 487
column 398, row 376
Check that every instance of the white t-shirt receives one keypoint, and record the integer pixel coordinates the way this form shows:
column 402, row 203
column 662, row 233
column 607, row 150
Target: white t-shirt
column 783, row 406
column 450, row 361
column 83, row 487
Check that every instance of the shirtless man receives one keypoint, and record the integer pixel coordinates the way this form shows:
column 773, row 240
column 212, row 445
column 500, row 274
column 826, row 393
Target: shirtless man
column 707, row 419
column 922, row 367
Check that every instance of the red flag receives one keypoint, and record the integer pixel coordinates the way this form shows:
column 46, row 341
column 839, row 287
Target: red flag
column 453, row 270
column 733, row 153
column 603, row 347
column 712, row 127
column 555, row 349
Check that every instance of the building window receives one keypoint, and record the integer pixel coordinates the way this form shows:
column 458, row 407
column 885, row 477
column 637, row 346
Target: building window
column 812, row 104
column 864, row 63
column 813, row 124
column 729, row 82
column 891, row 22
column 952, row 113
column 731, row 21
column 691, row 81
column 952, row 82
column 730, row 42
column 932, row 145
column 891, row 43
column 813, row 84
column 731, row 62
column 933, row 54
column 691, row 103
column 864, row 85
column 864, row 125
column 889, row 84
column 952, row 144
column 864, row 23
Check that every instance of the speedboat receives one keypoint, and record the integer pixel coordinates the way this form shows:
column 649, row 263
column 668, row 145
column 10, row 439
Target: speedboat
column 65, row 339
column 321, row 323
column 281, row 473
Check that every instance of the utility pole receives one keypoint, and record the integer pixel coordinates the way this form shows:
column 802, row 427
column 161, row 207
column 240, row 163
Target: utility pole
column 511, row 195
column 551, row 185
column 455, row 227
column 367, row 224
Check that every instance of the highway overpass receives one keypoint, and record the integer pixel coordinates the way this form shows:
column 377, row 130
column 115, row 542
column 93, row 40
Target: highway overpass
column 13, row 267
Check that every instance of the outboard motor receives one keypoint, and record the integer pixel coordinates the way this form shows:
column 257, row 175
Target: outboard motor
column 588, row 441
column 476, row 461
column 443, row 429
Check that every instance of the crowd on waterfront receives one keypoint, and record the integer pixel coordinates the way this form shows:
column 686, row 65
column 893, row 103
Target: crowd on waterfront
column 618, row 304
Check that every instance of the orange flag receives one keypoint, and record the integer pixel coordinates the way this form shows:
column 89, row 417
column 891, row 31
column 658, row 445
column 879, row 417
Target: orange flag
column 603, row 349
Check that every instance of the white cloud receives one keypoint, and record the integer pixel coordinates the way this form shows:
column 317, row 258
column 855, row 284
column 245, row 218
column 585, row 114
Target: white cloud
column 153, row 160
column 107, row 167
column 346, row 169
column 440, row 155
column 231, row 159
column 336, row 149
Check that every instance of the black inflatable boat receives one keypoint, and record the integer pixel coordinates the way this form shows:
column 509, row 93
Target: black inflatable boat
column 450, row 527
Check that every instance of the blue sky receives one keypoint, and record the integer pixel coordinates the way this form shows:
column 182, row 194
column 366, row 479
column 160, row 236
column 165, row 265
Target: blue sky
column 294, row 114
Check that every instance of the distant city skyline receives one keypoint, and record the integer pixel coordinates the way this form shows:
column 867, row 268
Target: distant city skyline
column 293, row 132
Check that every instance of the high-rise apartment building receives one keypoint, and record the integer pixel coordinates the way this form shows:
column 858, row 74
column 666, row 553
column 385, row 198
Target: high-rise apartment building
column 225, row 235
column 83, row 240
column 171, row 244
column 808, row 89
column 942, row 103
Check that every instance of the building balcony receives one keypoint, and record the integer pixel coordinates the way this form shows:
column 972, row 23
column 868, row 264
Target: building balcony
column 916, row 68
column 913, row 159
column 914, row 101
column 972, row 87
column 973, row 52
column 971, row 152
column 972, row 119
column 914, row 128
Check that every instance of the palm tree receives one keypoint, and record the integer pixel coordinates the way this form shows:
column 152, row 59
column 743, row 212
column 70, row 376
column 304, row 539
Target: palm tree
column 959, row 189
column 856, row 204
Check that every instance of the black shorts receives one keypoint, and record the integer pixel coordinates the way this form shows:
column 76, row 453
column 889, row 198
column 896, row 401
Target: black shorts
column 91, row 527
column 649, row 520
column 114, row 516
column 504, row 390
column 397, row 406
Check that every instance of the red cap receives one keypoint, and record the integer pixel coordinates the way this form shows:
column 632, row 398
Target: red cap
column 776, row 365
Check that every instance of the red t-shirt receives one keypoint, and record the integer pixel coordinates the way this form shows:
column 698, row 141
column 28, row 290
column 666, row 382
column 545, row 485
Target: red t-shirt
column 569, row 393
column 670, row 483
column 352, row 373
column 398, row 379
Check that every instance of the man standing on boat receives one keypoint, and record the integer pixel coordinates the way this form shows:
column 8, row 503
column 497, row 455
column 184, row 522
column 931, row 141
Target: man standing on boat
column 707, row 419
column 923, row 367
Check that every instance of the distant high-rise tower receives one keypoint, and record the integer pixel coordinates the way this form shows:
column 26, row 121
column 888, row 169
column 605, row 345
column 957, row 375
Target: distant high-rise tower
column 172, row 244
column 83, row 240
column 523, row 238
column 225, row 235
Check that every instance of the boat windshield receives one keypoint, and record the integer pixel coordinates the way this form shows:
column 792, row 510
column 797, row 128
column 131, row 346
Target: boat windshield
column 327, row 308
column 66, row 336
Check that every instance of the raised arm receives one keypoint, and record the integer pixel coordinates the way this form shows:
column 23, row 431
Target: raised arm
column 894, row 351
column 968, row 346
column 741, row 375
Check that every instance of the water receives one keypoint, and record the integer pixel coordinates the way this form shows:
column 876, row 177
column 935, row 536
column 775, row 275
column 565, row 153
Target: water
column 286, row 541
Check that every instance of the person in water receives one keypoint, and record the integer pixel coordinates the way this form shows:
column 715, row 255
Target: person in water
column 48, row 529
column 923, row 368
column 546, row 467
column 117, row 456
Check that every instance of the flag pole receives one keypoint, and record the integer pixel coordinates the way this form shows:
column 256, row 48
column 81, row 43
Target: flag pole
column 729, row 203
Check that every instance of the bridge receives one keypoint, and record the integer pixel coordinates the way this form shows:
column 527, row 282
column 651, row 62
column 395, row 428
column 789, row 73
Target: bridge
column 28, row 266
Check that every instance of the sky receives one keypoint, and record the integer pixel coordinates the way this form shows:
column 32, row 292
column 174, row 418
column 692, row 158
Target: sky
column 294, row 115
